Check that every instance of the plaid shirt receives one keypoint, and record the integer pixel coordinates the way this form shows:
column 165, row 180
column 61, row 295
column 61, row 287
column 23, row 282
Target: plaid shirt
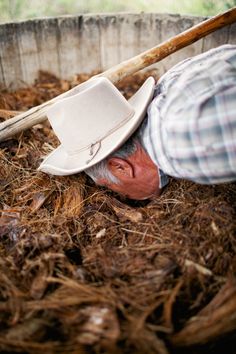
column 190, row 130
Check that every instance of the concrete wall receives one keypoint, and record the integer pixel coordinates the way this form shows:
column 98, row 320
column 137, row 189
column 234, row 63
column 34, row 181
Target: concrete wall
column 73, row 44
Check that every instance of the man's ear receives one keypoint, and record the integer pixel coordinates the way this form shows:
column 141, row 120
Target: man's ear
column 120, row 168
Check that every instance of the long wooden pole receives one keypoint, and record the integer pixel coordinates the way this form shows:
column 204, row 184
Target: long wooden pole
column 38, row 114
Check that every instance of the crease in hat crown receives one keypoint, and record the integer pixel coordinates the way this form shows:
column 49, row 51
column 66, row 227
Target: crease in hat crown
column 98, row 100
column 92, row 123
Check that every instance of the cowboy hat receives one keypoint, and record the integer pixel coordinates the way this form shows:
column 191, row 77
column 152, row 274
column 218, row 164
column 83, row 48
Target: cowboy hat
column 93, row 123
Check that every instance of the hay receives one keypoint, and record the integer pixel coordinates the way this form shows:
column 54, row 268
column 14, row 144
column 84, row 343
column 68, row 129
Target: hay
column 83, row 270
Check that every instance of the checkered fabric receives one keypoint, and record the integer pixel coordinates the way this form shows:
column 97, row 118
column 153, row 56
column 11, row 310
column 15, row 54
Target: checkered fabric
column 190, row 131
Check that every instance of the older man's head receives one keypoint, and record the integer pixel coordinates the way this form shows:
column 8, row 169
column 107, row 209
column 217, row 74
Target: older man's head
column 128, row 171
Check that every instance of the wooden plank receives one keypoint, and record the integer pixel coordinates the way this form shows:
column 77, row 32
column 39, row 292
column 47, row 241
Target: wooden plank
column 155, row 39
column 109, row 41
column 46, row 36
column 89, row 48
column 144, row 27
column 69, row 46
column 10, row 55
column 28, row 51
column 128, row 35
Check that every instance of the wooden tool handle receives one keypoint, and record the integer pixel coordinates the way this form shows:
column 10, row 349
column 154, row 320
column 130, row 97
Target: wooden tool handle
column 38, row 114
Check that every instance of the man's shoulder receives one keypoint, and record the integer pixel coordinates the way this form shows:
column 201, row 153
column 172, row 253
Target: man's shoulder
column 194, row 64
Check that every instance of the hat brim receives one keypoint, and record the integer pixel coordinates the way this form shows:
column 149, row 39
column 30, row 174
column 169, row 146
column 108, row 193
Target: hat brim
column 60, row 163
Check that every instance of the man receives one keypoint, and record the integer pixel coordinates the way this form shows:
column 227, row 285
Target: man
column 189, row 131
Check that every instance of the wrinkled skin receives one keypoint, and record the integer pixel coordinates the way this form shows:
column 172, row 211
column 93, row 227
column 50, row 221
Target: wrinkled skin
column 137, row 174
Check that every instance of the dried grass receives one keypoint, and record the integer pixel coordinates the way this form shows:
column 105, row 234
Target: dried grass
column 84, row 271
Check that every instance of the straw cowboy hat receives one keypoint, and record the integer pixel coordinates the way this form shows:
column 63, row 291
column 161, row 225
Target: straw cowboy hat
column 93, row 123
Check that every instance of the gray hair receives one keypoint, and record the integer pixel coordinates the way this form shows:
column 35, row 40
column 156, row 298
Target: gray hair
column 100, row 170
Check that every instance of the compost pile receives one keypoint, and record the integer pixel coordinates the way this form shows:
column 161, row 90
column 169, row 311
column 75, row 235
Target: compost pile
column 84, row 271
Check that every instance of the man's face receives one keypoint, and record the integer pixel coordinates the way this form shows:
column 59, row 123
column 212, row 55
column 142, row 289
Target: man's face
column 137, row 175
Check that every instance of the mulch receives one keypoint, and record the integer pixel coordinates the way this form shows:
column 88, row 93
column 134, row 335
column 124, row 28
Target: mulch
column 84, row 271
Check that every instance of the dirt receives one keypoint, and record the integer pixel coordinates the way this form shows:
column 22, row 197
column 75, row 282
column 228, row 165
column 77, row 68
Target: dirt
column 84, row 271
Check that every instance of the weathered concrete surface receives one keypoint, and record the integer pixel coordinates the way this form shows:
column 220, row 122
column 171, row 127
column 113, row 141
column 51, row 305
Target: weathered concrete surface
column 73, row 44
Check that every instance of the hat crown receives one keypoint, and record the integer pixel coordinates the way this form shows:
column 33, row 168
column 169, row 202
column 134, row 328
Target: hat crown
column 87, row 117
